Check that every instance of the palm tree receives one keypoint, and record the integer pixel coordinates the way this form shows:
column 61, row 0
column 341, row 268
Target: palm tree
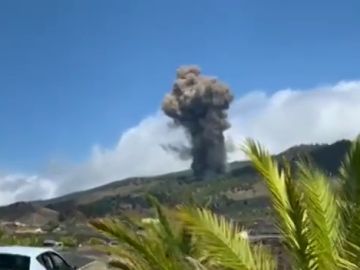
column 160, row 244
column 221, row 244
column 320, row 225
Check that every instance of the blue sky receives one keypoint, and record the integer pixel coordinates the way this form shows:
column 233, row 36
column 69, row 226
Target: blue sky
column 78, row 73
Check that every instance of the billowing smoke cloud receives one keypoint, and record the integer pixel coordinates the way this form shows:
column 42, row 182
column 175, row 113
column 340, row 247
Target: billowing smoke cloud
column 199, row 104
column 181, row 151
column 266, row 117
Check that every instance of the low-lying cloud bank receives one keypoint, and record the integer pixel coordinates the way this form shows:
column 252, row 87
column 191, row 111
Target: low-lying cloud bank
column 280, row 120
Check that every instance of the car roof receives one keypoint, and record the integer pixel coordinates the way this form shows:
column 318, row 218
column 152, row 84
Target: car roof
column 25, row 251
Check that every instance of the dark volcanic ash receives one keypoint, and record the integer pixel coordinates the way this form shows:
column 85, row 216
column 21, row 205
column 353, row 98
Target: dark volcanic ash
column 199, row 104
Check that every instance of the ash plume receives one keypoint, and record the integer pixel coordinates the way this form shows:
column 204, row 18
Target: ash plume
column 181, row 151
column 199, row 103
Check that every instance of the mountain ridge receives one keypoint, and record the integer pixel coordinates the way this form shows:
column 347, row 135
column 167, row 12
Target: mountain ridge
column 233, row 194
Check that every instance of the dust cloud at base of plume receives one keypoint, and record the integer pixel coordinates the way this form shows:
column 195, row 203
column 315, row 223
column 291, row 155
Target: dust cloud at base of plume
column 199, row 104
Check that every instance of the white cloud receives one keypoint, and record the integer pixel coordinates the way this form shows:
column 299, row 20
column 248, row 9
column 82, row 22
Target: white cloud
column 289, row 117
column 15, row 187
column 138, row 153
column 280, row 120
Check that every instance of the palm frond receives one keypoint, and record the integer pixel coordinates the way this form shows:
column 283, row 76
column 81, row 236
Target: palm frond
column 350, row 174
column 350, row 204
column 161, row 216
column 197, row 265
column 150, row 249
column 221, row 242
column 287, row 203
column 122, row 258
column 274, row 178
column 175, row 237
column 324, row 218
column 264, row 258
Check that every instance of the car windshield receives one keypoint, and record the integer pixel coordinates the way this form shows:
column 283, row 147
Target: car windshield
column 14, row 262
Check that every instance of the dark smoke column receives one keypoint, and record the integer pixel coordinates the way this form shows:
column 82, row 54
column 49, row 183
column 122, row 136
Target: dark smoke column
column 199, row 104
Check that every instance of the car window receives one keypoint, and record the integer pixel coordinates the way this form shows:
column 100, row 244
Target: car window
column 14, row 262
column 58, row 262
column 45, row 261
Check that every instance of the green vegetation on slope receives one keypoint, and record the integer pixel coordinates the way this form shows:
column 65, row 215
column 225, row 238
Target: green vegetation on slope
column 319, row 225
column 239, row 193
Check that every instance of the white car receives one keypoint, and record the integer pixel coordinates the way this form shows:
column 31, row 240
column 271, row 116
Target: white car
column 32, row 258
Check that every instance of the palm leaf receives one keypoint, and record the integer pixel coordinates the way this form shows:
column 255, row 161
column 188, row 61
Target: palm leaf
column 221, row 242
column 176, row 238
column 162, row 217
column 197, row 265
column 350, row 174
column 150, row 249
column 323, row 216
column 287, row 203
column 350, row 180
column 126, row 259
column 162, row 244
